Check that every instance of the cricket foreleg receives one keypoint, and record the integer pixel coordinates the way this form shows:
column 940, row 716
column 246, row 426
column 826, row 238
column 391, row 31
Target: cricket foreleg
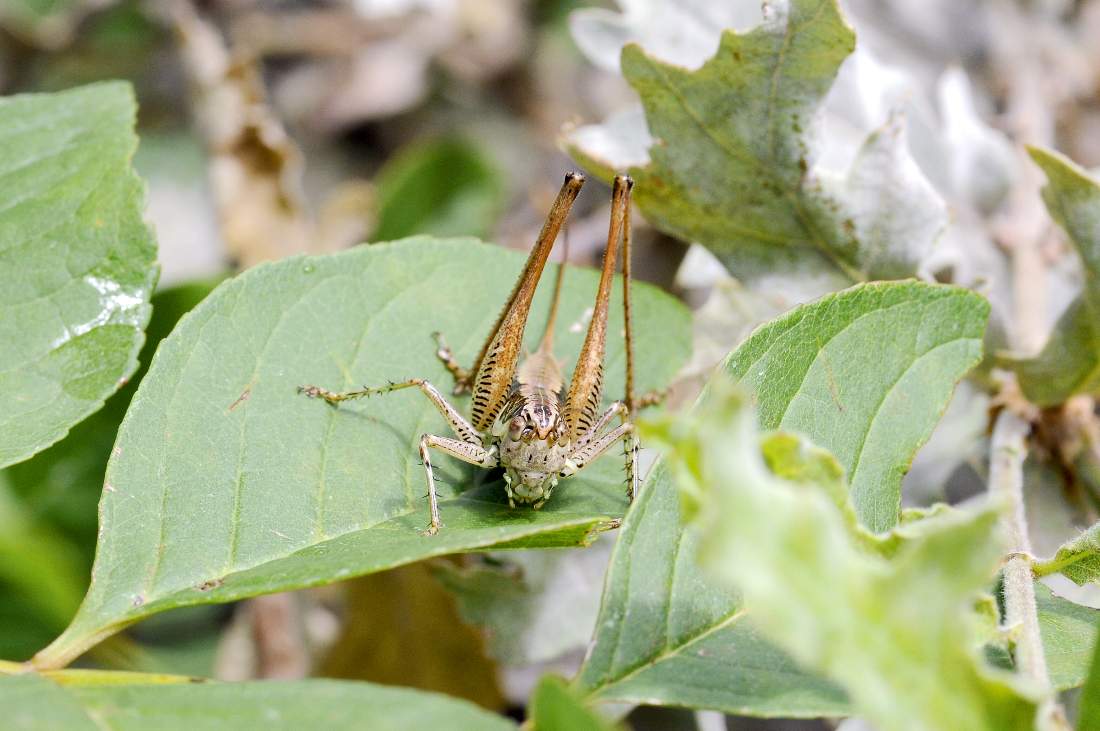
column 616, row 409
column 585, row 455
column 464, row 377
column 475, row 454
column 462, row 428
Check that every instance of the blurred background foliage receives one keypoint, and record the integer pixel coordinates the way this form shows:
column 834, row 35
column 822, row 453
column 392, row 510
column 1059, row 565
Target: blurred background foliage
column 274, row 127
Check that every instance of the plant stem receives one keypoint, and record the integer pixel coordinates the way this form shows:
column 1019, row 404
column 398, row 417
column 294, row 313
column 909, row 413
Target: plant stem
column 1006, row 481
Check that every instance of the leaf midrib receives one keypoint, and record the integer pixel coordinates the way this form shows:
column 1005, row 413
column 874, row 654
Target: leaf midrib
column 1076, row 555
column 669, row 651
column 570, row 519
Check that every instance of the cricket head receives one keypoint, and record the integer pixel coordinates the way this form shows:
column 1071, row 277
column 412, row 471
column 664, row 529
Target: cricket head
column 539, row 420
column 531, row 451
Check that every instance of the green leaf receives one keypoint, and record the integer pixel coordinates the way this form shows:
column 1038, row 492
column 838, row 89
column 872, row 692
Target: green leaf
column 865, row 373
column 731, row 164
column 62, row 484
column 76, row 260
column 445, row 187
column 226, row 483
column 1070, row 361
column 1078, row 560
column 31, row 703
column 667, row 635
column 1068, row 631
column 893, row 632
column 554, row 707
column 1088, row 714
column 48, row 506
column 671, row 650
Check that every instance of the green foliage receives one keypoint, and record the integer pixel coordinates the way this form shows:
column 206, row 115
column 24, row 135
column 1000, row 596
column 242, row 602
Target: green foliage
column 1070, row 361
column 1077, row 559
column 892, row 632
column 76, row 261
column 667, row 635
column 226, row 483
column 801, row 365
column 555, row 707
column 1068, row 631
column 733, row 165
column 48, row 506
column 62, row 484
column 1088, row 715
column 866, row 373
column 41, row 578
column 765, row 574
column 443, row 188
column 118, row 703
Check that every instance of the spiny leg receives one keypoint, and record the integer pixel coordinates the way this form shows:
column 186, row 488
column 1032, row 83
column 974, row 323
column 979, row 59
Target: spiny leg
column 457, row 422
column 650, row 398
column 630, row 447
column 465, row 451
column 630, row 453
column 616, row 409
column 584, row 456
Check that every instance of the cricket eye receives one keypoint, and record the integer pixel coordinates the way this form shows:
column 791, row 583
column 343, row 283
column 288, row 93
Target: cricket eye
column 517, row 425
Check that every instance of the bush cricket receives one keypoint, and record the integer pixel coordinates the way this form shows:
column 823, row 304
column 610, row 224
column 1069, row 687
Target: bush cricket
column 522, row 418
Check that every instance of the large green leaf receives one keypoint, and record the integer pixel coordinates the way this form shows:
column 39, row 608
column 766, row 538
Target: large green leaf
column 76, row 260
column 731, row 155
column 1070, row 361
column 48, row 507
column 1069, row 631
column 1088, row 715
column 667, row 635
column 61, row 485
column 866, row 373
column 226, row 483
column 893, row 632
column 32, row 703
